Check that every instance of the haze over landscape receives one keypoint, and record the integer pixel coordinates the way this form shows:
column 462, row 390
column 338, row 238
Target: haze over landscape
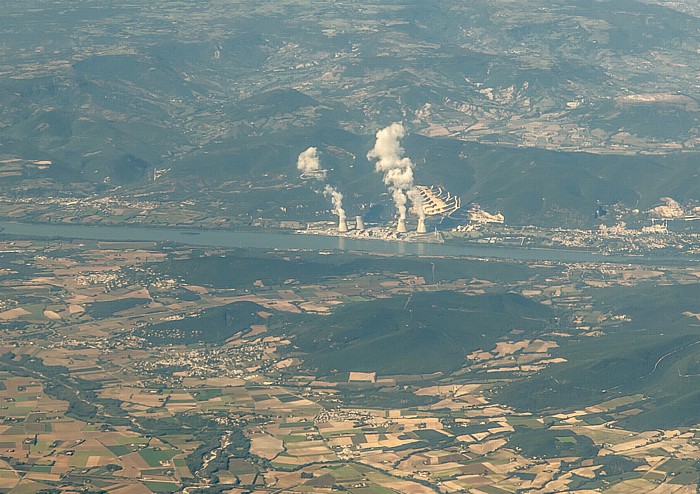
column 367, row 247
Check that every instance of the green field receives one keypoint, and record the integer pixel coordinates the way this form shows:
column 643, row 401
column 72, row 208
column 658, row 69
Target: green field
column 162, row 487
column 154, row 457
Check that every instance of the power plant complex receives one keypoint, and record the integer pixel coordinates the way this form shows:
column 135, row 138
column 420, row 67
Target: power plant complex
column 428, row 202
column 396, row 171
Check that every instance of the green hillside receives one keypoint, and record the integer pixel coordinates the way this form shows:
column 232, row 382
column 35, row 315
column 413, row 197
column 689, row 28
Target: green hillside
column 656, row 354
column 431, row 332
column 241, row 270
column 211, row 326
column 522, row 108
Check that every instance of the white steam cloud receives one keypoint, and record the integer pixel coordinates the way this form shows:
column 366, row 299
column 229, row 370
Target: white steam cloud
column 397, row 169
column 337, row 200
column 417, row 199
column 310, row 166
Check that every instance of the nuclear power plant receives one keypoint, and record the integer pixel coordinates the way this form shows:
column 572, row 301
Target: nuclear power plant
column 401, row 226
column 397, row 175
column 427, row 203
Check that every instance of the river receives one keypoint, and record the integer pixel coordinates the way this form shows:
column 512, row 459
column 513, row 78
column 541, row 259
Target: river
column 269, row 240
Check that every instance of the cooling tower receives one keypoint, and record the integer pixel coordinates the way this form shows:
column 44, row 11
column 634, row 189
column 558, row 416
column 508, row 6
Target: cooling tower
column 401, row 227
column 359, row 223
column 421, row 226
column 342, row 225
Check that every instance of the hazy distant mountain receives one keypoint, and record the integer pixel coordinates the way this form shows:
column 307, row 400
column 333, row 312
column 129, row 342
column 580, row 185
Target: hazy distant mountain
column 235, row 91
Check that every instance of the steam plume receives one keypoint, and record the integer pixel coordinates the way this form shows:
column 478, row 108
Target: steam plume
column 417, row 200
column 397, row 169
column 337, row 200
column 310, row 166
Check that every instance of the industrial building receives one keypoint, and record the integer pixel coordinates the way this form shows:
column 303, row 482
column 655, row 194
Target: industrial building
column 438, row 202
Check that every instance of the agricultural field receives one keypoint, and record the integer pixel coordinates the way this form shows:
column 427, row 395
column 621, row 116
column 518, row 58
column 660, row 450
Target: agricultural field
column 139, row 366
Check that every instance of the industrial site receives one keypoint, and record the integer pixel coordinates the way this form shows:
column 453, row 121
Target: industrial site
column 429, row 204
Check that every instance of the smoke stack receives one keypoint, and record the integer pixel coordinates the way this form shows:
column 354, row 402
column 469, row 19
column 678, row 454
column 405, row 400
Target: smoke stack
column 421, row 226
column 342, row 224
column 401, row 226
column 359, row 222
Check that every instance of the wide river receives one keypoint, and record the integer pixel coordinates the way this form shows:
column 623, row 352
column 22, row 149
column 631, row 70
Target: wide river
column 269, row 240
